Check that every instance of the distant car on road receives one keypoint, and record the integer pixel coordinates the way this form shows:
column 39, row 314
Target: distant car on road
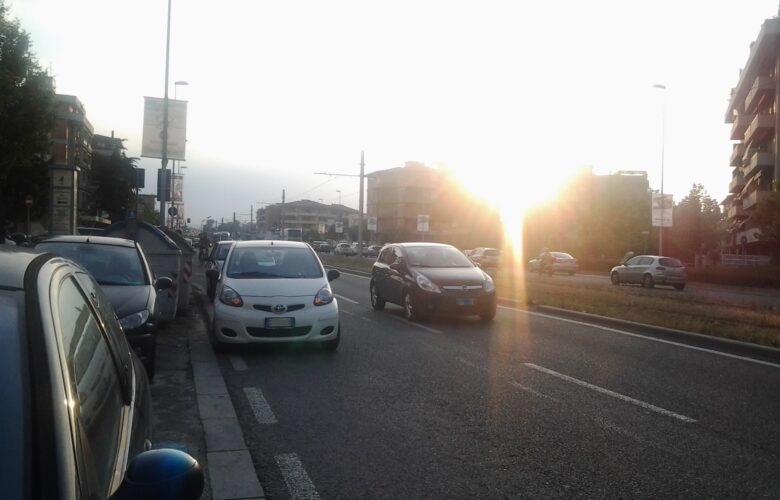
column 650, row 270
column 344, row 249
column 486, row 258
column 215, row 260
column 431, row 278
column 75, row 419
column 554, row 262
column 122, row 270
column 275, row 291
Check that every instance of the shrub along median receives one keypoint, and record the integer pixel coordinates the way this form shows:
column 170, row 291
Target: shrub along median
column 655, row 307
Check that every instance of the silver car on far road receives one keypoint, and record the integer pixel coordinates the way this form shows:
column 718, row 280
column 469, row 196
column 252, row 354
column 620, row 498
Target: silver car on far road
column 650, row 270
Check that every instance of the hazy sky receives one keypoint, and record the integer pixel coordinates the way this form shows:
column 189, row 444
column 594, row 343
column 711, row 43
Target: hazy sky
column 512, row 95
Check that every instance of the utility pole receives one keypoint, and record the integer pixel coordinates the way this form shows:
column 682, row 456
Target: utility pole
column 281, row 218
column 360, row 202
column 251, row 218
column 165, row 120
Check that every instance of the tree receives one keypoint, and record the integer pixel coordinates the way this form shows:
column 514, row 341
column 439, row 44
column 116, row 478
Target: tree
column 113, row 178
column 27, row 111
column 767, row 218
column 697, row 224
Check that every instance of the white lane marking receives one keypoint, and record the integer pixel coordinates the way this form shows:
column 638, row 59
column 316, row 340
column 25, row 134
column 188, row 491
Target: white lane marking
column 432, row 330
column 238, row 363
column 260, row 406
column 351, row 301
column 351, row 274
column 617, row 395
column 516, row 385
column 298, row 482
column 640, row 336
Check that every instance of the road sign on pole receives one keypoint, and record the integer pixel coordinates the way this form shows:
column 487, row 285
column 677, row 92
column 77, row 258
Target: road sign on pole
column 423, row 223
column 372, row 223
column 339, row 227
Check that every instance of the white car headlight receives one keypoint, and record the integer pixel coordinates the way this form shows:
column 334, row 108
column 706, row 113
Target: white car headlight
column 134, row 320
column 426, row 284
column 323, row 297
column 490, row 286
column 230, row 297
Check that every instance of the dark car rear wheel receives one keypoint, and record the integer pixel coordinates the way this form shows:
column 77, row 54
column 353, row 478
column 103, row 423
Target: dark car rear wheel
column 648, row 281
column 377, row 302
column 615, row 278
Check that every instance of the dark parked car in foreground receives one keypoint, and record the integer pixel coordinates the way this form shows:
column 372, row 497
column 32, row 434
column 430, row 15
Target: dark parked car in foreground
column 75, row 413
column 122, row 270
column 431, row 278
column 650, row 270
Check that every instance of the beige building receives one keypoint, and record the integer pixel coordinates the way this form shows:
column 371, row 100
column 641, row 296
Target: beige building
column 753, row 113
column 305, row 214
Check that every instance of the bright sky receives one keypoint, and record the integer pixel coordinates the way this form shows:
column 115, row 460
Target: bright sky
column 514, row 96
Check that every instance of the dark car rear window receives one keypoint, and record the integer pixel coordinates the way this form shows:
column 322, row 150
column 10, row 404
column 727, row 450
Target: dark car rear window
column 108, row 264
column 669, row 262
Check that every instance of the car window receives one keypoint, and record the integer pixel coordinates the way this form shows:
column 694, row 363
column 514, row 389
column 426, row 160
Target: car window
column 386, row 256
column 645, row 261
column 562, row 255
column 222, row 252
column 110, row 265
column 633, row 261
column 273, row 262
column 670, row 262
column 94, row 382
column 436, row 256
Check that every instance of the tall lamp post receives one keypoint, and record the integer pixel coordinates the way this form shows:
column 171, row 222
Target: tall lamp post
column 662, row 87
column 164, row 161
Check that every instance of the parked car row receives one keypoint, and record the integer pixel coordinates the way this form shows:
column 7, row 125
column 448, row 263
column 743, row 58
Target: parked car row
column 63, row 342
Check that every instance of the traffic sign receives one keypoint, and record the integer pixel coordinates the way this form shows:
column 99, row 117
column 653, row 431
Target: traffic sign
column 172, row 211
column 372, row 223
column 339, row 227
column 132, row 216
column 28, row 201
column 423, row 223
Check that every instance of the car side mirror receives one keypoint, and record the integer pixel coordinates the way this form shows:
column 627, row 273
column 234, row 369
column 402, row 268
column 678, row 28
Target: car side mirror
column 163, row 283
column 161, row 474
column 333, row 274
column 212, row 274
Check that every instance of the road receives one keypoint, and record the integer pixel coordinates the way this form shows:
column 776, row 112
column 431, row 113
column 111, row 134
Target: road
column 528, row 406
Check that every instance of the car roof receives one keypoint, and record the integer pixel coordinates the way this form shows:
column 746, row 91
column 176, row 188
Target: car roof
column 14, row 262
column 95, row 240
column 271, row 243
column 422, row 244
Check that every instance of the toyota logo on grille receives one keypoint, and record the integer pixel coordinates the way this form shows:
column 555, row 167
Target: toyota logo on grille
column 279, row 308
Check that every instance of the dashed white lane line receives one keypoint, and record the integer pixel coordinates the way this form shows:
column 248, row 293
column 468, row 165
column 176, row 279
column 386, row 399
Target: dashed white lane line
column 238, row 363
column 613, row 394
column 346, row 299
column 296, row 478
column 645, row 337
column 516, row 385
column 432, row 330
column 260, row 406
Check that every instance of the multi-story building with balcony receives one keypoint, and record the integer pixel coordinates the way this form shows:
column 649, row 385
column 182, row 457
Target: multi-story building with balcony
column 753, row 113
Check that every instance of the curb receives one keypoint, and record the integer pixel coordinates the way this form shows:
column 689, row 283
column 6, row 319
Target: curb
column 230, row 468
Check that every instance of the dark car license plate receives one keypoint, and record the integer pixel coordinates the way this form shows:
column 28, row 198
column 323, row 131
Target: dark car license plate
column 279, row 322
column 464, row 302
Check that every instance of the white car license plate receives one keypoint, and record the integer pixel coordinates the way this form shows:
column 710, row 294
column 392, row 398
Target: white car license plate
column 279, row 322
column 464, row 302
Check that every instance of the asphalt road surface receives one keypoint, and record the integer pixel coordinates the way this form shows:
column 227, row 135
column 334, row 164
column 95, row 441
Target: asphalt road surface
column 528, row 406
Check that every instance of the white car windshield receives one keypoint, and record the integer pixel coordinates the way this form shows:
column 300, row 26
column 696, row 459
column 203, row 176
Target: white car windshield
column 276, row 262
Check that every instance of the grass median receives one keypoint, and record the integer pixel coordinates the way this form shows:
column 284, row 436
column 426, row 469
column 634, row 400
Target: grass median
column 658, row 307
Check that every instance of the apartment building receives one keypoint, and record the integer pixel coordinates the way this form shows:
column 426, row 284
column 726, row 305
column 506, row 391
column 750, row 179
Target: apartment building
column 306, row 214
column 755, row 162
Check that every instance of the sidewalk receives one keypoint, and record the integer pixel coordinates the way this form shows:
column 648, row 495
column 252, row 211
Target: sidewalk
column 193, row 411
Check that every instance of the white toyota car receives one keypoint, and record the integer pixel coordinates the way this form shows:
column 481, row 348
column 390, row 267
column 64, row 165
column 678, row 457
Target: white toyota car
column 274, row 291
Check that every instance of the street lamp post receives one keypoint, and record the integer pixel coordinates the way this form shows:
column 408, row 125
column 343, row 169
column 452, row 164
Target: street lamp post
column 663, row 140
column 163, row 193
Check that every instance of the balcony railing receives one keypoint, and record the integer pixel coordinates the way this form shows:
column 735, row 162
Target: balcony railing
column 736, row 154
column 741, row 123
column 762, row 86
column 758, row 160
column 754, row 197
column 759, row 127
column 737, row 183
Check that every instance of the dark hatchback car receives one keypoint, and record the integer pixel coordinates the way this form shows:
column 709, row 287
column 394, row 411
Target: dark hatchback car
column 75, row 418
column 431, row 278
column 122, row 270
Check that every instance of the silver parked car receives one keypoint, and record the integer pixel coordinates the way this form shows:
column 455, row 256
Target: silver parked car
column 650, row 270
column 554, row 262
